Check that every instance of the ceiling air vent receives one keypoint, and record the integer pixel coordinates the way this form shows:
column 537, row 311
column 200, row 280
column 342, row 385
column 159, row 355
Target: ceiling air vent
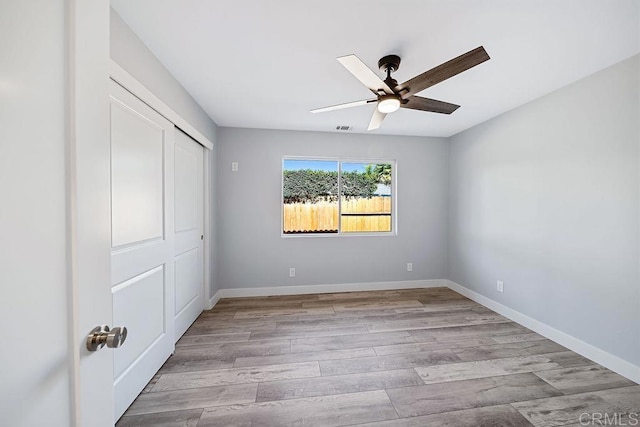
column 343, row 127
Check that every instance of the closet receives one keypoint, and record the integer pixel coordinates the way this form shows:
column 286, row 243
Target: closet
column 157, row 238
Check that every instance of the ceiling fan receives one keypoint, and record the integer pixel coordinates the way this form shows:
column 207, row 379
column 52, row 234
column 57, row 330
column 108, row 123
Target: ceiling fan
column 390, row 96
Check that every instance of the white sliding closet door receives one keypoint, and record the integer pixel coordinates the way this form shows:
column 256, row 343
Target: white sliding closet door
column 142, row 219
column 189, row 257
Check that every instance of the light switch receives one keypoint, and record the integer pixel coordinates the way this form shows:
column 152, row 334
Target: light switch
column 234, row 166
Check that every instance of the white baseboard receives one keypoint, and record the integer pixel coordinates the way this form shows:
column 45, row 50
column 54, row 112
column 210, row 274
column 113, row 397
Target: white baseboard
column 213, row 301
column 608, row 360
column 325, row 289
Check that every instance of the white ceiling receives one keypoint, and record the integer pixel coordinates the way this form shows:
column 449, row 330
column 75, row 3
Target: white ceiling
column 265, row 64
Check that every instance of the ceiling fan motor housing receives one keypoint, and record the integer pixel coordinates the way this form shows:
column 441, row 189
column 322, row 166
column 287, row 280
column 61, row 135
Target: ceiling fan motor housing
column 389, row 63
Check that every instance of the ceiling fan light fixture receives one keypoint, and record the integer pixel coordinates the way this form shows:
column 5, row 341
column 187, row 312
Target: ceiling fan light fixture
column 388, row 104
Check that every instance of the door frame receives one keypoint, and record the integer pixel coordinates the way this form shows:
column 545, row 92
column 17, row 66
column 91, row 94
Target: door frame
column 88, row 207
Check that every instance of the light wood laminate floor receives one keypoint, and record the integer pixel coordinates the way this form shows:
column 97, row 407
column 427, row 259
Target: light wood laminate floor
column 415, row 357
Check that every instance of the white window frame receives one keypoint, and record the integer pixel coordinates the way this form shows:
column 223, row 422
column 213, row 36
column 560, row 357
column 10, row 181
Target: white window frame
column 340, row 160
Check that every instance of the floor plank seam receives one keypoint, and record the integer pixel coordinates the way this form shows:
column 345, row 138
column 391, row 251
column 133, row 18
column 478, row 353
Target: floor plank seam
column 393, row 405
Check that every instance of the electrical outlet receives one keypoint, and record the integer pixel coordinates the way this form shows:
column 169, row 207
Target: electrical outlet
column 292, row 272
column 234, row 166
column 409, row 266
column 500, row 286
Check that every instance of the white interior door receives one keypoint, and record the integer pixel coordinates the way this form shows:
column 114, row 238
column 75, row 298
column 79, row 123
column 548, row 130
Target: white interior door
column 188, row 260
column 142, row 241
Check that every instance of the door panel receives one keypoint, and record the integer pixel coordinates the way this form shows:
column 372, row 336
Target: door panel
column 142, row 280
column 137, row 176
column 189, row 276
column 187, row 266
column 127, row 262
column 139, row 304
column 187, row 186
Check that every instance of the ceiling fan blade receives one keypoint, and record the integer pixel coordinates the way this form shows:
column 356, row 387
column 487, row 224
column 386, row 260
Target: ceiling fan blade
column 341, row 106
column 364, row 74
column 428, row 104
column 442, row 72
column 376, row 119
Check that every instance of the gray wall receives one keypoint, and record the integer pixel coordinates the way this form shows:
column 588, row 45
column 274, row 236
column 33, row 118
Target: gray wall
column 546, row 198
column 128, row 51
column 252, row 252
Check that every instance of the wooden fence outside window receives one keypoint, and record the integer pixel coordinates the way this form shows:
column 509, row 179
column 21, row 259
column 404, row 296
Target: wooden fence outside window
column 358, row 215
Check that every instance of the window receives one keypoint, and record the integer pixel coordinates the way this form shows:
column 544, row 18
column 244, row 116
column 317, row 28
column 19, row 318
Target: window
column 337, row 197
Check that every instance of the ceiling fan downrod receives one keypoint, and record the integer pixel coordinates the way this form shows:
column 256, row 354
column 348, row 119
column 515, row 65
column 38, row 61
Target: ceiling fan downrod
column 389, row 64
